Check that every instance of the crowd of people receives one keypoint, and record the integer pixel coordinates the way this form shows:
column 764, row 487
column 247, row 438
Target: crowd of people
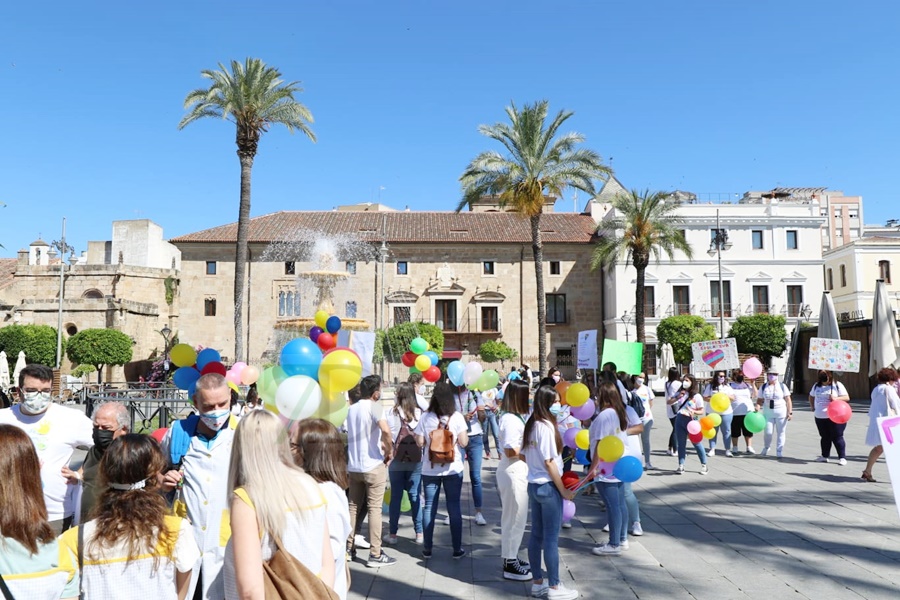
column 229, row 499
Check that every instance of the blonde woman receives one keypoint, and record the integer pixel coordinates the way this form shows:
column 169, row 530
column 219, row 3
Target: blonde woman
column 271, row 498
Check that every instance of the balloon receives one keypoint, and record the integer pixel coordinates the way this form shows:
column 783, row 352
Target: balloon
column 321, row 318
column 185, row 376
column 340, row 370
column 232, row 377
column 472, row 373
column 839, row 411
column 298, row 397
column 326, row 341
column 752, row 368
column 696, row 438
column 206, row 356
column 569, row 437
column 433, row 357
column 605, row 468
column 583, row 439
column 267, row 386
column 422, row 362
column 159, row 434
column 709, row 433
column 583, row 412
column 333, row 324
column 413, row 369
column 561, row 388
column 628, row 469
column 693, row 428
column 455, row 372
column 577, row 394
column 192, row 389
column 234, row 387
column 489, row 379
column 333, row 407
column 570, row 479
column 581, row 457
column 301, row 356
column 238, row 367
column 183, row 355
column 405, row 505
column 610, row 449
column 249, row 375
column 214, row 367
column 568, row 510
column 431, row 374
column 716, row 419
column 418, row 345
column 408, row 359
column 720, row 402
column 755, row 422
column 706, row 423
column 314, row 332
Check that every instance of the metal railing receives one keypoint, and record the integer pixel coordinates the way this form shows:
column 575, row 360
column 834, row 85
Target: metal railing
column 149, row 408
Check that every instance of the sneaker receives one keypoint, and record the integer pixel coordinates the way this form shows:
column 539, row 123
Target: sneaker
column 729, row 454
column 458, row 555
column 420, row 538
column 360, row 542
column 524, row 564
column 842, row 461
column 822, row 459
column 446, row 521
column 704, row 469
column 606, row 528
column 670, row 452
column 624, row 545
column 514, row 571
column 567, row 525
column 680, row 469
column 606, row 550
column 539, row 589
column 765, row 451
column 711, row 452
column 479, row 519
column 561, row 592
column 649, row 467
column 750, row 450
column 426, row 553
column 380, row 561
column 391, row 539
column 636, row 529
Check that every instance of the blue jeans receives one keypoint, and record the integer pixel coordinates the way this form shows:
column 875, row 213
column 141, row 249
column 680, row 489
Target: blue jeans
column 725, row 428
column 474, row 456
column 408, row 477
column 491, row 428
column 452, row 492
column 681, row 435
column 631, row 501
column 616, row 510
column 546, row 518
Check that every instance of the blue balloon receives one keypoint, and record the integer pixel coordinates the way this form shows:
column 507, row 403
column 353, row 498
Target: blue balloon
column 185, row 376
column 206, row 356
column 581, row 457
column 455, row 372
column 432, row 355
column 192, row 389
column 301, row 356
column 333, row 324
column 628, row 469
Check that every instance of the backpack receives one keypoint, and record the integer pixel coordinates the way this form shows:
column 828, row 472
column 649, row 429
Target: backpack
column 440, row 445
column 635, row 402
column 406, row 449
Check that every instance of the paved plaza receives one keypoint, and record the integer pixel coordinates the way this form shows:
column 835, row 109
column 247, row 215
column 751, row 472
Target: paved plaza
column 755, row 527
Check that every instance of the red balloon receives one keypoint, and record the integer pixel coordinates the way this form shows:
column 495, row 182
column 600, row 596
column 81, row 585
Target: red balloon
column 431, row 374
column 214, row 367
column 571, row 479
column 695, row 438
column 408, row 359
column 326, row 341
column 839, row 411
column 159, row 434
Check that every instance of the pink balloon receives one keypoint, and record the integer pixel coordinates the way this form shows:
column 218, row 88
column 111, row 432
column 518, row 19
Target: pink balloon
column 568, row 510
column 233, row 377
column 752, row 368
column 569, row 437
column 238, row 367
column 583, row 412
column 839, row 411
column 694, row 427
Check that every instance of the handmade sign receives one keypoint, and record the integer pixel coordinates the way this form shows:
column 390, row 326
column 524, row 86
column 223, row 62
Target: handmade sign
column 587, row 349
column 628, row 356
column 715, row 355
column 834, row 355
column 890, row 441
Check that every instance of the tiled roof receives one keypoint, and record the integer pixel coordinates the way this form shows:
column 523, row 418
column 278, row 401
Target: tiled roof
column 7, row 271
column 463, row 227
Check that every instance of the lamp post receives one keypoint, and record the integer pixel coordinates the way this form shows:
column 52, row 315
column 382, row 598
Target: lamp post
column 716, row 245
column 626, row 319
column 806, row 312
column 62, row 247
column 166, row 332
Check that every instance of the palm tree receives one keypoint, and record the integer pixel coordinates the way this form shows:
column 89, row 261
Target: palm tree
column 253, row 97
column 642, row 225
column 538, row 164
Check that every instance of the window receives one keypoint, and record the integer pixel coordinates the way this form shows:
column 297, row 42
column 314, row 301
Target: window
column 792, row 239
column 564, row 357
column 402, row 314
column 720, row 306
column 681, row 296
column 210, row 267
column 350, row 267
column 649, row 302
column 829, row 279
column 402, row 267
column 288, row 303
column 650, row 358
column 445, row 312
column 760, row 299
column 556, row 308
column 289, row 268
column 555, row 267
column 350, row 310
column 487, row 268
column 490, row 318
column 209, row 307
column 884, row 270
column 795, row 300
column 843, row 275
column 757, row 239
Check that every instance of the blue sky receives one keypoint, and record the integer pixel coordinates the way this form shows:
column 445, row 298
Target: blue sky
column 706, row 96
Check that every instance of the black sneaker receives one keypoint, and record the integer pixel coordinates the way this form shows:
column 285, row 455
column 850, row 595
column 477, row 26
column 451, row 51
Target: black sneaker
column 426, row 553
column 515, row 571
column 380, row 561
column 459, row 555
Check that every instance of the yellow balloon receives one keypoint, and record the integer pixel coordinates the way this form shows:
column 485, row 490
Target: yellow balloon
column 340, row 370
column 321, row 318
column 583, row 439
column 610, row 449
column 423, row 362
column 719, row 402
column 716, row 419
column 183, row 355
column 577, row 394
column 387, row 496
column 709, row 433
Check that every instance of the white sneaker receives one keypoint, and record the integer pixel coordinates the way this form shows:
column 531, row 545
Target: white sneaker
column 636, row 529
column 750, row 450
column 729, row 454
column 391, row 539
column 704, row 469
column 539, row 589
column 561, row 592
column 446, row 521
column 360, row 542
column 606, row 550
column 624, row 545
column 567, row 525
column 606, row 528
column 479, row 519
column 842, row 461
column 681, row 469
column 711, row 452
column 821, row 459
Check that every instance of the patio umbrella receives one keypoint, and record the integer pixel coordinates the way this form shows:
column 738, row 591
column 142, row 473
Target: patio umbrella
column 20, row 364
column 4, row 371
column 667, row 357
column 828, row 323
column 885, row 340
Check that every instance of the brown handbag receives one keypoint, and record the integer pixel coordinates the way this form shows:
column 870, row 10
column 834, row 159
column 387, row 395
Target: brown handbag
column 286, row 578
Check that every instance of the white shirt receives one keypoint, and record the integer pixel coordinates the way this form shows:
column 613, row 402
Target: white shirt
column 673, row 388
column 606, row 424
column 466, row 402
column 824, row 394
column 512, row 428
column 422, row 402
column 710, row 390
column 540, row 448
column 395, row 422
column 337, row 513
column 364, row 452
column 55, row 433
column 773, row 395
column 428, row 423
column 742, row 401
column 646, row 395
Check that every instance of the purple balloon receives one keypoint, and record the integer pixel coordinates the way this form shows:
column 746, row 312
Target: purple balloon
column 569, row 437
column 314, row 332
column 568, row 510
column 583, row 412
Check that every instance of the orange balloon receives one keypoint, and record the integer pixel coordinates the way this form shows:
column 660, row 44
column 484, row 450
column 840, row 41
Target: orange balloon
column 706, row 423
column 561, row 388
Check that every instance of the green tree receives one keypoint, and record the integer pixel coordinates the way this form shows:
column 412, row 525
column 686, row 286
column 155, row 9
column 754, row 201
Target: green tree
column 37, row 341
column 496, row 350
column 643, row 225
column 99, row 347
column 760, row 334
column 253, row 97
column 681, row 331
column 537, row 164
column 397, row 339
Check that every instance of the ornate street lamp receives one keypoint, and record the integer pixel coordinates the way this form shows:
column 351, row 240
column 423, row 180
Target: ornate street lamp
column 720, row 242
column 626, row 320
column 166, row 332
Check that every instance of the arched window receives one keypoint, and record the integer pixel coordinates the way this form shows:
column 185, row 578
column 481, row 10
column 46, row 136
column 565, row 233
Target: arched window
column 843, row 275
column 93, row 294
column 350, row 311
column 884, row 270
column 288, row 303
column 829, row 279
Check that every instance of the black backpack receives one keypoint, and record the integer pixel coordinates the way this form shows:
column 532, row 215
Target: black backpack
column 635, row 402
column 407, row 450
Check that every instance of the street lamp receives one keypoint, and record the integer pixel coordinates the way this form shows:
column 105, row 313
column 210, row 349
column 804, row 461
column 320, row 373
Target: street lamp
column 626, row 319
column 63, row 248
column 166, row 332
column 806, row 312
column 716, row 245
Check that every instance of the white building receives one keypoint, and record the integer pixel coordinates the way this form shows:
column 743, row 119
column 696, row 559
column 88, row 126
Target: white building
column 852, row 270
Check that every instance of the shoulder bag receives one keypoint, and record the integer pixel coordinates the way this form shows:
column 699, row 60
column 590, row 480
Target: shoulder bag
column 287, row 578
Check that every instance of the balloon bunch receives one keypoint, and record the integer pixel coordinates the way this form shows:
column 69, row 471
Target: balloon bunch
column 577, row 397
column 472, row 375
column 754, row 421
column 422, row 359
column 324, row 333
column 192, row 365
column 610, row 450
column 704, row 428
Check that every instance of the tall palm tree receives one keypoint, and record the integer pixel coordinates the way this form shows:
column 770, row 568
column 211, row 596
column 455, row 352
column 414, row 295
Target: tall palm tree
column 537, row 164
column 643, row 224
column 252, row 96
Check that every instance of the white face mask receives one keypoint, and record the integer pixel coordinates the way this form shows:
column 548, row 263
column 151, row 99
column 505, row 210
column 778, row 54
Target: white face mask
column 638, row 381
column 215, row 420
column 556, row 378
column 35, row 402
column 685, row 385
column 773, row 377
column 421, row 390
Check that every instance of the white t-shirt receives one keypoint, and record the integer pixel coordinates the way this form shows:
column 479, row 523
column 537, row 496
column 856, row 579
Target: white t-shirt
column 673, row 388
column 774, row 396
column 428, row 423
column 646, row 395
column 709, row 391
column 512, row 428
column 337, row 513
column 466, row 402
column 606, row 424
column 742, row 401
column 541, row 447
column 364, row 452
column 824, row 394
column 55, row 433
column 633, row 447
column 422, row 402
column 395, row 422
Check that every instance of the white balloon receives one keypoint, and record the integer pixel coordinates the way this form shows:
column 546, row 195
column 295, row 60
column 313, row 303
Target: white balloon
column 298, row 397
column 472, row 373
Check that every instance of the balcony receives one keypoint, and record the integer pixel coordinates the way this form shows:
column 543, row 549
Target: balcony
column 715, row 311
column 761, row 309
column 793, row 310
column 650, row 311
column 470, row 325
column 680, row 309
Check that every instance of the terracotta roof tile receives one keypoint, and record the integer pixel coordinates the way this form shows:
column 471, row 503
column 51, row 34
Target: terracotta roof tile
column 7, row 271
column 464, row 227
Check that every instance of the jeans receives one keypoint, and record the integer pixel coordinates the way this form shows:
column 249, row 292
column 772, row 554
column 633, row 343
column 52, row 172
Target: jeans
column 681, row 435
column 491, row 428
column 616, row 510
column 405, row 476
column 776, row 423
column 474, row 456
column 832, row 433
column 512, row 483
column 672, row 444
column 452, row 492
column 645, row 441
column 367, row 488
column 725, row 429
column 546, row 518
column 631, row 501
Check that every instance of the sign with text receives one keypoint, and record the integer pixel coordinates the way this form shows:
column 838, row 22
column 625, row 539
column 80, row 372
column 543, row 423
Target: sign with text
column 834, row 355
column 587, row 349
column 715, row 355
column 628, row 356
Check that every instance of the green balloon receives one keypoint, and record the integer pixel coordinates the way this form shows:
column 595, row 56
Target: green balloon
column 755, row 422
column 489, row 379
column 418, row 346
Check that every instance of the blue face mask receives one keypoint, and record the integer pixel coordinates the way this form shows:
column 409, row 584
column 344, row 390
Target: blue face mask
column 555, row 408
column 215, row 420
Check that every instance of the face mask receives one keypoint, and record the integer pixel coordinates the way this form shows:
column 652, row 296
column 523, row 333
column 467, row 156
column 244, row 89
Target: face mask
column 421, row 390
column 823, row 378
column 556, row 378
column 102, row 438
column 739, row 378
column 555, row 408
column 215, row 420
column 638, row 381
column 685, row 385
column 721, row 379
column 773, row 377
column 36, row 402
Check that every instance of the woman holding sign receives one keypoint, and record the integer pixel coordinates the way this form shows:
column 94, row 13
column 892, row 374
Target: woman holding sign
column 823, row 393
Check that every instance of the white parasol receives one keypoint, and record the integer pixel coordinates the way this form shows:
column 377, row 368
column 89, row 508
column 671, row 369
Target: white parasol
column 20, row 364
column 667, row 357
column 885, row 340
column 4, row 371
column 828, row 323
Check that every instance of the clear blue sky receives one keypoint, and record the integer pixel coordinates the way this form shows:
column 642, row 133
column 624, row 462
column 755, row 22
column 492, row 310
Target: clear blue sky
column 706, row 96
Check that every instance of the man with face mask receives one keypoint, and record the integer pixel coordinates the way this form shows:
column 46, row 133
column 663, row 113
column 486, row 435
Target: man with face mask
column 55, row 430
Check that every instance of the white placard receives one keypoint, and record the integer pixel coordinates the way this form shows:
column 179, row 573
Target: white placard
column 587, row 349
